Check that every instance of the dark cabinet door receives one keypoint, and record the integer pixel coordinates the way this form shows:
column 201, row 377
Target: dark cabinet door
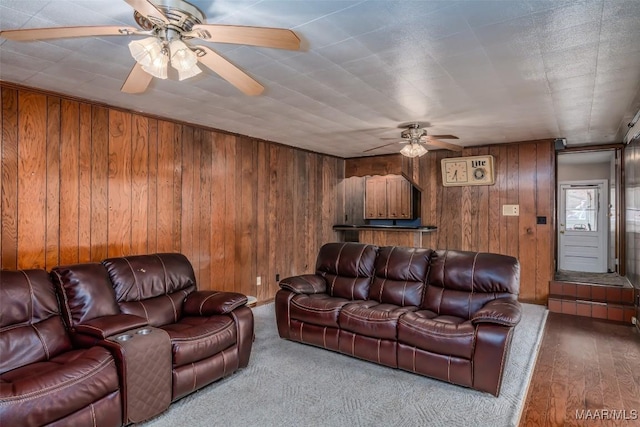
column 375, row 199
column 388, row 197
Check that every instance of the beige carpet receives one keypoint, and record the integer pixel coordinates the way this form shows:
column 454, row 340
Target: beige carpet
column 292, row 384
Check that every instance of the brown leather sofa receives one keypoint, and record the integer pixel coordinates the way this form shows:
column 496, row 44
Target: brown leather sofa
column 203, row 335
column 123, row 339
column 449, row 315
column 44, row 377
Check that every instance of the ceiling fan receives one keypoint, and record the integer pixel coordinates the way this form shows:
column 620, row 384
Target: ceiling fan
column 170, row 25
column 417, row 138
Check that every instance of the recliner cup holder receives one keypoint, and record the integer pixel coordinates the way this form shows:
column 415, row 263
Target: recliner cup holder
column 124, row 337
column 143, row 331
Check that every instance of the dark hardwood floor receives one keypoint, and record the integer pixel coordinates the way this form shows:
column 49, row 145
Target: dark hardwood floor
column 586, row 367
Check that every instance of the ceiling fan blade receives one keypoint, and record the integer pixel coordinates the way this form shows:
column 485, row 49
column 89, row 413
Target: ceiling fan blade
column 148, row 10
column 381, row 146
column 228, row 71
column 444, row 136
column 254, row 36
column 137, row 81
column 29, row 34
column 441, row 144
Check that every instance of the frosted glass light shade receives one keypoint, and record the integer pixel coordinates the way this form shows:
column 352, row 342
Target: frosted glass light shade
column 184, row 60
column 151, row 55
column 413, row 150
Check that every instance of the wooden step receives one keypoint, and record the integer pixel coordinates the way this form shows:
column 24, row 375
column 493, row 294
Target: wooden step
column 608, row 302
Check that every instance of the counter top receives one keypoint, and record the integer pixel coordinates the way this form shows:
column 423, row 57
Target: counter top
column 414, row 228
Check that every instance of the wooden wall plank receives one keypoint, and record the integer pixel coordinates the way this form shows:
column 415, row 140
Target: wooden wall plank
column 545, row 199
column 512, row 222
column 9, row 178
column 218, row 211
column 69, row 185
column 139, row 184
column 52, row 250
column 196, row 137
column 99, row 183
column 187, row 192
column 176, row 221
column 231, row 194
column 164, row 186
column 32, row 160
column 120, row 191
column 84, row 183
column 262, row 227
column 152, row 185
column 527, row 220
column 495, row 207
column 203, row 233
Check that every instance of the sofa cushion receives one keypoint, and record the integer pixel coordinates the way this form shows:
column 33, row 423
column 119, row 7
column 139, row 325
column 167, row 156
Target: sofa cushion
column 85, row 292
column 347, row 268
column 31, row 329
column 317, row 309
column 372, row 319
column 400, row 274
column 197, row 338
column 50, row 390
column 439, row 334
column 141, row 277
column 460, row 283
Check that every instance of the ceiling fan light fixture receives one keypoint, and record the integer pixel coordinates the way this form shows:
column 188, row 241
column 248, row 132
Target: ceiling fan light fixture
column 184, row 60
column 413, row 150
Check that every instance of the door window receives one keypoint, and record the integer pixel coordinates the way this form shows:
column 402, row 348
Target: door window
column 581, row 209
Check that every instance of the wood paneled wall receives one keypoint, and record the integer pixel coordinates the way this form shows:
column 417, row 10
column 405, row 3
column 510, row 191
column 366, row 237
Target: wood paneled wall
column 470, row 218
column 82, row 182
column 632, row 217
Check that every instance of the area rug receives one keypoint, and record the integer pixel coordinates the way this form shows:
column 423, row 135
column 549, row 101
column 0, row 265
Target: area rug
column 292, row 384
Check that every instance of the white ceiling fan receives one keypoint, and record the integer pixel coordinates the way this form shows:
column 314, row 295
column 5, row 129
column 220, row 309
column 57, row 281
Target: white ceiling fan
column 170, row 25
column 416, row 137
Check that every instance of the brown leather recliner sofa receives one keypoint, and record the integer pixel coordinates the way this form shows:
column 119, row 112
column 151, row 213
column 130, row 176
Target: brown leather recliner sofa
column 164, row 339
column 445, row 314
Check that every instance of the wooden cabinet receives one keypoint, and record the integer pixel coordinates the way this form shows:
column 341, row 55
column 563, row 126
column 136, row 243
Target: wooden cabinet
column 388, row 197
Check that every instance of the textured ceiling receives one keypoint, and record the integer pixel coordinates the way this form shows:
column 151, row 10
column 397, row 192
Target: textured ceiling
column 486, row 71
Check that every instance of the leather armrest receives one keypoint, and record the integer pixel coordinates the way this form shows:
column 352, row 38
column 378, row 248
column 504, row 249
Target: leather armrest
column 305, row 284
column 501, row 311
column 208, row 303
column 105, row 326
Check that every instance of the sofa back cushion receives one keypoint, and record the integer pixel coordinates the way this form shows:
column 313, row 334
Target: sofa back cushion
column 31, row 328
column 460, row 283
column 85, row 292
column 347, row 268
column 400, row 274
column 152, row 286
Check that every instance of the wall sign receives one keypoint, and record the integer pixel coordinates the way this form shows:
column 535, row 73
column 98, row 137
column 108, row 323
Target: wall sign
column 474, row 170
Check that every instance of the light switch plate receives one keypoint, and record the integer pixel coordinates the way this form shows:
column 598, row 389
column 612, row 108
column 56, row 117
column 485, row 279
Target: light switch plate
column 511, row 210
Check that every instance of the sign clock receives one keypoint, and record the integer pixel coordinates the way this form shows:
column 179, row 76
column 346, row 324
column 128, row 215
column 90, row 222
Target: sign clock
column 474, row 170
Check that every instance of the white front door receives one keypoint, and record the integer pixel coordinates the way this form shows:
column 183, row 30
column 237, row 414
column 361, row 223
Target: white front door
column 582, row 238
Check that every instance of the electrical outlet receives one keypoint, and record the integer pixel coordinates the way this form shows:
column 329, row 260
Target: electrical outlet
column 277, row 277
column 258, row 281
column 634, row 321
column 511, row 210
